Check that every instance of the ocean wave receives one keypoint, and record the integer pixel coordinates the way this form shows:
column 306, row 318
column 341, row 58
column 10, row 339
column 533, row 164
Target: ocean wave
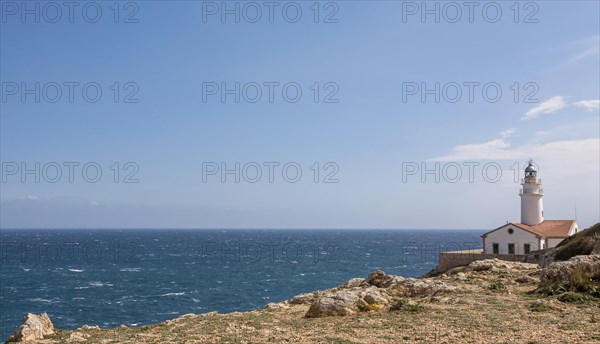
column 99, row 284
column 131, row 269
column 174, row 294
column 39, row 299
column 77, row 270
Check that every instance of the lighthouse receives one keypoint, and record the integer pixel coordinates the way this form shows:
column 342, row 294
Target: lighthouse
column 532, row 208
column 533, row 232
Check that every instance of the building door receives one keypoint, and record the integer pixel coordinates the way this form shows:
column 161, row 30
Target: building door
column 511, row 248
column 496, row 248
column 526, row 248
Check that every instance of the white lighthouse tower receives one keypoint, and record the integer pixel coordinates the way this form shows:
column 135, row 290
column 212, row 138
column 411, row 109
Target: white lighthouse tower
column 532, row 208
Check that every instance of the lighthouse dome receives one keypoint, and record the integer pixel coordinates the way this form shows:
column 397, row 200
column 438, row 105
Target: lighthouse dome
column 530, row 168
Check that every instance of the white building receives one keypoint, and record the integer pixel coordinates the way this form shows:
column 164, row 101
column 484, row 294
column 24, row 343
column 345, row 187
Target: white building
column 533, row 232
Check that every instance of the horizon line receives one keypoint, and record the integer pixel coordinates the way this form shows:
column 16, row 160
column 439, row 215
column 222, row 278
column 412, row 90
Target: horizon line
column 233, row 228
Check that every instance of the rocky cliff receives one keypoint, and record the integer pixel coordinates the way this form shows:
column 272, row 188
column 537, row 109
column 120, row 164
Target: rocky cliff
column 586, row 242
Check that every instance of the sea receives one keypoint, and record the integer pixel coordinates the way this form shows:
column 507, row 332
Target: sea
column 139, row 277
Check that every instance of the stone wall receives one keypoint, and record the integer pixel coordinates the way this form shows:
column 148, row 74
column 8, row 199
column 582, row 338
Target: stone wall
column 452, row 259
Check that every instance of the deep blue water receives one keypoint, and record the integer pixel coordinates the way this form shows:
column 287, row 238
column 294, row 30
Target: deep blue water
column 140, row 277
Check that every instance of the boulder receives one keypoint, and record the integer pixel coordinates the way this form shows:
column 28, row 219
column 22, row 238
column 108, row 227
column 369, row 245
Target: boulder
column 34, row 327
column 373, row 296
column 304, row 299
column 348, row 301
column 77, row 337
column 353, row 283
column 379, row 279
column 342, row 302
column 373, row 293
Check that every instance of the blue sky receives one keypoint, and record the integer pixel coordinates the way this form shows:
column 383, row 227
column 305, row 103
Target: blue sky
column 370, row 134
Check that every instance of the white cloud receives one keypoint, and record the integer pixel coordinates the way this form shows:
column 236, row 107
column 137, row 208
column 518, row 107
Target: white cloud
column 508, row 133
column 589, row 105
column 583, row 155
column 573, row 52
column 587, row 47
column 32, row 198
column 549, row 106
column 494, row 149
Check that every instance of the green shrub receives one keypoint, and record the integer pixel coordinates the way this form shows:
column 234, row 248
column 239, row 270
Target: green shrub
column 579, row 278
column 556, row 289
column 374, row 307
column 362, row 307
column 367, row 307
column 497, row 286
column 571, row 297
column 406, row 306
column 540, row 306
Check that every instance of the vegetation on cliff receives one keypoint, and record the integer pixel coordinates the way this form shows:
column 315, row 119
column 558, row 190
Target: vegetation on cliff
column 586, row 242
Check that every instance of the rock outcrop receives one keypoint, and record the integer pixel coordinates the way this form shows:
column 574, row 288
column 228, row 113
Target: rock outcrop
column 497, row 265
column 342, row 302
column 77, row 337
column 586, row 242
column 34, row 327
column 379, row 290
column 373, row 293
column 379, row 279
column 573, row 274
column 303, row 299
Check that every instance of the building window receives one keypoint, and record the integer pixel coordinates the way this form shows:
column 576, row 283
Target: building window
column 511, row 231
column 511, row 248
column 526, row 248
column 496, row 248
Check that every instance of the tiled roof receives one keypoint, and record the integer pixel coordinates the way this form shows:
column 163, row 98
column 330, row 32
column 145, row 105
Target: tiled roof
column 549, row 228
